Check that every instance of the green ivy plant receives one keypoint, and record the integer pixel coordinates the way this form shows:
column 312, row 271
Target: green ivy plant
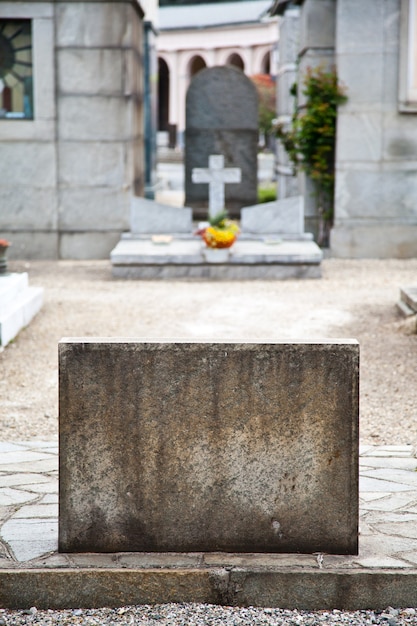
column 310, row 141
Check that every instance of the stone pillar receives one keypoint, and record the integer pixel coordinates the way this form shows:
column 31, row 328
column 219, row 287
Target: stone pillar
column 28, row 192
column 376, row 182
column 317, row 43
column 99, row 47
column 68, row 173
column 289, row 33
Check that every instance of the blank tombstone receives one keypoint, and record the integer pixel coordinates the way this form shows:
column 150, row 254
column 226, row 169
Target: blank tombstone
column 177, row 446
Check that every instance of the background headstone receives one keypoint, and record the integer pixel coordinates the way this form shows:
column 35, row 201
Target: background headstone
column 280, row 217
column 222, row 118
column 149, row 217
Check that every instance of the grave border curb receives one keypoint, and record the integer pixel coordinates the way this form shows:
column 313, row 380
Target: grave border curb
column 287, row 588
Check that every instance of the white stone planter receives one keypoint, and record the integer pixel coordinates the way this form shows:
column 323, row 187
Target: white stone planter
column 216, row 255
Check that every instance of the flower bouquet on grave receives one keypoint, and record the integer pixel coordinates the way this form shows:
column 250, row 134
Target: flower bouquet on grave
column 218, row 235
column 4, row 244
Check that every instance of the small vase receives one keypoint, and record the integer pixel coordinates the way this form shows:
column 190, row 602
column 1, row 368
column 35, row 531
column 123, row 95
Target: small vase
column 216, row 255
column 3, row 260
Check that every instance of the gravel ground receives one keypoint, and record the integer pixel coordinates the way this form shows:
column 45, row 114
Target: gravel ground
column 353, row 299
column 199, row 615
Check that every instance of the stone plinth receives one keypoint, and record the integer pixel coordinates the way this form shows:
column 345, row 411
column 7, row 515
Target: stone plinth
column 238, row 447
column 184, row 258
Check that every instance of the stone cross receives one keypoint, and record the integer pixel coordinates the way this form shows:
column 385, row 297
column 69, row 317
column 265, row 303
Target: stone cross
column 216, row 175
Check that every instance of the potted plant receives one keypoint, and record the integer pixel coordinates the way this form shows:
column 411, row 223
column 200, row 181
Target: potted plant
column 218, row 235
column 4, row 244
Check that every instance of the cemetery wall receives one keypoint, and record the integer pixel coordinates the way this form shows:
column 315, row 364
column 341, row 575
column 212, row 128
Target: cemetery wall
column 307, row 36
column 372, row 45
column 69, row 173
column 376, row 182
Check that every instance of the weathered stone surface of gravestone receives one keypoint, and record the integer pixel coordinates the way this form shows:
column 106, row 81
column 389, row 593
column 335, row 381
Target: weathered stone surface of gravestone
column 280, row 217
column 187, row 446
column 150, row 217
column 222, row 118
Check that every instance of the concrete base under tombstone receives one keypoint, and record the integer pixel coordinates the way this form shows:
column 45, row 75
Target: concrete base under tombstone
column 19, row 303
column 184, row 258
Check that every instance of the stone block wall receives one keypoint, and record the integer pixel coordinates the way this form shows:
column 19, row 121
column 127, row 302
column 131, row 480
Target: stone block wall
column 28, row 149
column 376, row 188
column 69, row 174
column 307, row 40
column 289, row 34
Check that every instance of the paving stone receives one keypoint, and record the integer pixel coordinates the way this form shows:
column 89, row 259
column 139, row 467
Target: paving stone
column 5, row 512
column 363, row 449
column 384, row 544
column 134, row 559
column 369, row 496
column 4, row 562
column 377, row 484
column 46, row 465
column 403, row 463
column 39, row 444
column 10, row 496
column 405, row 477
column 392, row 502
column 333, row 561
column 409, row 556
column 411, row 508
column 29, row 480
column 399, row 529
column 37, row 511
column 390, row 517
column 391, row 451
column 49, row 498
column 10, row 447
column 50, row 486
column 22, row 456
column 30, row 538
column 382, row 561
column 261, row 560
column 52, row 560
column 93, row 560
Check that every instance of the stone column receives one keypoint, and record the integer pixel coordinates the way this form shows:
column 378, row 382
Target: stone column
column 376, row 182
column 317, row 44
column 289, row 33
column 99, row 48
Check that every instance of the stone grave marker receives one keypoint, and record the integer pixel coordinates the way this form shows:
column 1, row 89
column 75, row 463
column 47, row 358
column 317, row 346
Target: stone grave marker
column 221, row 118
column 175, row 446
column 216, row 176
column 150, row 217
column 280, row 217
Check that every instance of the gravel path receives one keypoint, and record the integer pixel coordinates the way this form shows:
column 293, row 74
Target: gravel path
column 200, row 614
column 353, row 299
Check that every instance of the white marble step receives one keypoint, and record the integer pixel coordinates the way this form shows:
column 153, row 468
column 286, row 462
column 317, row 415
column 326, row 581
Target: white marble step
column 19, row 303
column 10, row 286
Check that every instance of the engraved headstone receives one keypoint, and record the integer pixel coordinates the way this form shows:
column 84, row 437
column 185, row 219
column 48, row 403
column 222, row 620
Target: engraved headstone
column 221, row 118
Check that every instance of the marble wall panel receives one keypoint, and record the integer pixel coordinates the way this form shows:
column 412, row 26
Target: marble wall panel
column 94, row 72
column 94, row 208
column 91, row 164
